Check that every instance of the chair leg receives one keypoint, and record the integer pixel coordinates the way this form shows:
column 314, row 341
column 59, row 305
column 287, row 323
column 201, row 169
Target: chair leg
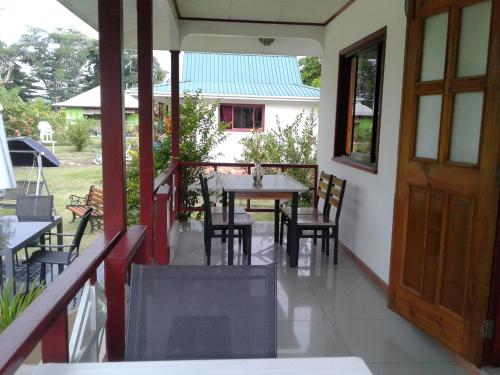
column 249, row 245
column 223, row 238
column 245, row 242
column 208, row 249
column 327, row 241
column 283, row 218
column 336, row 246
column 74, row 218
column 27, row 276
column 240, row 238
column 42, row 272
column 315, row 239
column 323, row 242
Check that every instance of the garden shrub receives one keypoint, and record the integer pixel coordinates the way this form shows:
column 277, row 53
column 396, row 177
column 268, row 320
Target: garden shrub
column 200, row 134
column 79, row 133
column 295, row 143
column 25, row 116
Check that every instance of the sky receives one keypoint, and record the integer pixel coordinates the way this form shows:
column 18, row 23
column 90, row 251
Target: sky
column 16, row 16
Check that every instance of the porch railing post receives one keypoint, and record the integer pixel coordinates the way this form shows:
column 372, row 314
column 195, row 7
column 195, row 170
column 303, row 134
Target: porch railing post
column 55, row 340
column 145, row 78
column 114, row 277
column 162, row 247
column 174, row 67
column 112, row 114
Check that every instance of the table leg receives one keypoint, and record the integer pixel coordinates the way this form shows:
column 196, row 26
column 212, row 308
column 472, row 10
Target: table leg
column 293, row 238
column 60, row 241
column 276, row 220
column 230, row 229
column 10, row 271
column 224, row 204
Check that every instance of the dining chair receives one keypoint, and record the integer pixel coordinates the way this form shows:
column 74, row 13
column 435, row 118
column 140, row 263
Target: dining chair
column 35, row 207
column 216, row 223
column 323, row 191
column 47, row 255
column 327, row 226
column 200, row 312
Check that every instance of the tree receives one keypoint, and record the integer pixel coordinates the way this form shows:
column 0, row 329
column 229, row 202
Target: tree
column 64, row 61
column 310, row 70
column 11, row 75
column 130, row 69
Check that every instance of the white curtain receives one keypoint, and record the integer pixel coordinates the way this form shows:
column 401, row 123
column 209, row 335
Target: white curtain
column 7, row 179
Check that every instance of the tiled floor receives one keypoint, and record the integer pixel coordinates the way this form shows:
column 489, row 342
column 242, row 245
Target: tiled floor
column 330, row 311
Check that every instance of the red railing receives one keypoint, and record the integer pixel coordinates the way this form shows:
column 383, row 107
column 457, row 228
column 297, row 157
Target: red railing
column 247, row 167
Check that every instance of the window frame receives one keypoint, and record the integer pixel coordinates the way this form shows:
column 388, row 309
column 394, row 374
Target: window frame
column 232, row 105
column 345, row 101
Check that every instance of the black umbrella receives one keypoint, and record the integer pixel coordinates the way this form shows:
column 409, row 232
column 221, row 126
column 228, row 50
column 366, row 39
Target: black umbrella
column 24, row 151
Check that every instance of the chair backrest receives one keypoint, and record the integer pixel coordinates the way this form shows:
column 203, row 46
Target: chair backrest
column 207, row 222
column 81, row 229
column 324, row 188
column 35, row 207
column 95, row 198
column 337, row 195
column 200, row 312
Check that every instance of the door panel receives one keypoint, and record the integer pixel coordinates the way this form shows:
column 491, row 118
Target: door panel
column 446, row 195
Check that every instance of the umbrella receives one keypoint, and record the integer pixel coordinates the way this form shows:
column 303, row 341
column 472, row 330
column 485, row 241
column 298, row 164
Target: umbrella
column 7, row 179
column 24, row 150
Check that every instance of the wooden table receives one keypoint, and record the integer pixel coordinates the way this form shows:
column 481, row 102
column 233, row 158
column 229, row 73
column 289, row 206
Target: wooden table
column 15, row 235
column 279, row 366
column 276, row 187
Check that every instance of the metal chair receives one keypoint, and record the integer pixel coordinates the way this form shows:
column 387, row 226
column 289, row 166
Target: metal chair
column 200, row 312
column 35, row 207
column 217, row 219
column 60, row 257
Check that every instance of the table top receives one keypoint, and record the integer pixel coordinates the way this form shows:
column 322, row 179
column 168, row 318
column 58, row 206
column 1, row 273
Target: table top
column 15, row 234
column 278, row 183
column 278, row 366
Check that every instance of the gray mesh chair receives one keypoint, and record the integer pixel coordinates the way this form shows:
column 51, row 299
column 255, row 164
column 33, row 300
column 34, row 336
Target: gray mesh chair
column 200, row 312
column 35, row 207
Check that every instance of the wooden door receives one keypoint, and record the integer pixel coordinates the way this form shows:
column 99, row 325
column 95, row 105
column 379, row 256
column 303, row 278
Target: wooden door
column 446, row 193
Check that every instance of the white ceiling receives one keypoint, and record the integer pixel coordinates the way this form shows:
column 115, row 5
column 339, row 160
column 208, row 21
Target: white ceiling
column 303, row 11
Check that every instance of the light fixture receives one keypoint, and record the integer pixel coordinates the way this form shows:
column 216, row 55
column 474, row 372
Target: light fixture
column 266, row 42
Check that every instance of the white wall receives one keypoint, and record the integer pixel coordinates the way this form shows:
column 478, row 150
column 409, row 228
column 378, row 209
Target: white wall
column 366, row 219
column 286, row 111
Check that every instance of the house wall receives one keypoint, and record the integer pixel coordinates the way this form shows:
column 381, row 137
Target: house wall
column 73, row 114
column 366, row 219
column 286, row 111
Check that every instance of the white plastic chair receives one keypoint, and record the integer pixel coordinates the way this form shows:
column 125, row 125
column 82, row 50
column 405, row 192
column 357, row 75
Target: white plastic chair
column 46, row 134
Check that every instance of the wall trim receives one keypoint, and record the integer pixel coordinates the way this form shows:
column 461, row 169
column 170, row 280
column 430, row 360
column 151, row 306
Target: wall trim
column 374, row 278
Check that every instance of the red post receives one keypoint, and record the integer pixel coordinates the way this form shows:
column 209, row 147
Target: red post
column 55, row 340
column 162, row 246
column 112, row 116
column 174, row 67
column 145, row 77
column 114, row 278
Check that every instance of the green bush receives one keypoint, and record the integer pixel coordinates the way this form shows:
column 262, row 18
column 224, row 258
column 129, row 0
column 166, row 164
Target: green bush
column 25, row 116
column 290, row 144
column 200, row 134
column 79, row 133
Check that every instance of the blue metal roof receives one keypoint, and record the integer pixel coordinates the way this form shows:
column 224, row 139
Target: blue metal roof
column 241, row 75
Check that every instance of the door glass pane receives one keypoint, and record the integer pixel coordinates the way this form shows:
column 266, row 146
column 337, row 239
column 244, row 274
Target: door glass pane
column 434, row 48
column 428, row 124
column 466, row 133
column 474, row 39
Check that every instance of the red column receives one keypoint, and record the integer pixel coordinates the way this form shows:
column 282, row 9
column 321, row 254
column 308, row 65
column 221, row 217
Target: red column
column 112, row 115
column 174, row 67
column 145, row 77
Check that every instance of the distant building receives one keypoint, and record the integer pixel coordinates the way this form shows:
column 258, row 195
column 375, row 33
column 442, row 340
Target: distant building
column 252, row 91
column 88, row 105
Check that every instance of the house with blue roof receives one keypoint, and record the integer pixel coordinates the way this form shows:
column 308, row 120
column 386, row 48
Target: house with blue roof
column 252, row 92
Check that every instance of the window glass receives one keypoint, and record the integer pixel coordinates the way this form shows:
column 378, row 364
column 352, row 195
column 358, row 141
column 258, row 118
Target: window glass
column 364, row 102
column 434, row 48
column 243, row 118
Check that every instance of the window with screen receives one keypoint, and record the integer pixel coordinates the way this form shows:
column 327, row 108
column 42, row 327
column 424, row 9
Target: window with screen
column 358, row 102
